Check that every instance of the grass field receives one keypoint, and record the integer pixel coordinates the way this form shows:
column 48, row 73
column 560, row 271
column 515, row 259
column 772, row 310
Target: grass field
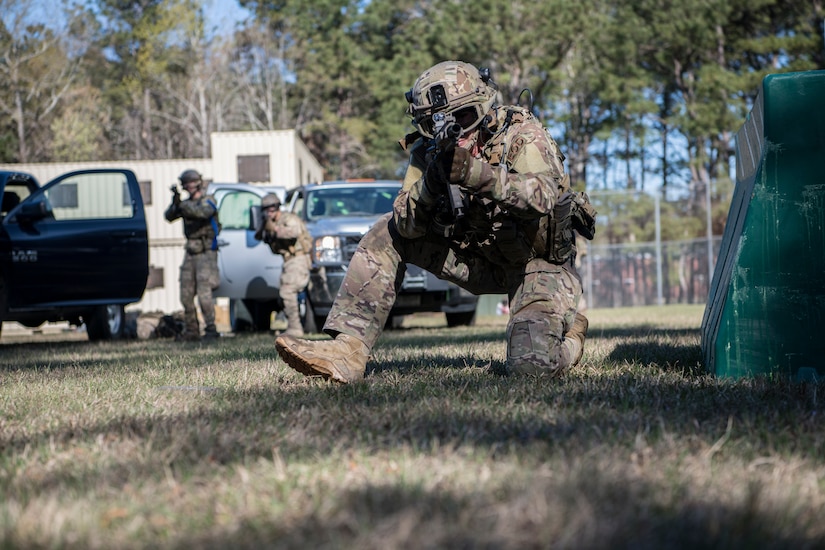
column 156, row 444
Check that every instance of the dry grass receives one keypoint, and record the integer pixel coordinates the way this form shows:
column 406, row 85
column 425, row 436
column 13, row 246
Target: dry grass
column 163, row 445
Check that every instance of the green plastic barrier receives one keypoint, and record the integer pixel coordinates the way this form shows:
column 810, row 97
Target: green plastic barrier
column 766, row 309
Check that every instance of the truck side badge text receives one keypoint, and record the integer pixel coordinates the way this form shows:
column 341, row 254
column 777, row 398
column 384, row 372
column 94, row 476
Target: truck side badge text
column 25, row 256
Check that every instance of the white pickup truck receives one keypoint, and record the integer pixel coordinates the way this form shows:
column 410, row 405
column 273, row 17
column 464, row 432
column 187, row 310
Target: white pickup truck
column 250, row 272
column 337, row 215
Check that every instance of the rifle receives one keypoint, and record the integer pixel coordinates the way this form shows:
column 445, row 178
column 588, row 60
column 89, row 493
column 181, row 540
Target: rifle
column 175, row 195
column 446, row 132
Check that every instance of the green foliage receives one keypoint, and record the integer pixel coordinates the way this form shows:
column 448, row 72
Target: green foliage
column 631, row 218
column 78, row 134
column 8, row 145
column 612, row 79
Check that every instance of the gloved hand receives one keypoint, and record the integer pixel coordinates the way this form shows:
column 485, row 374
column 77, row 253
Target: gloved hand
column 471, row 174
column 459, row 168
column 450, row 166
column 435, row 178
column 175, row 196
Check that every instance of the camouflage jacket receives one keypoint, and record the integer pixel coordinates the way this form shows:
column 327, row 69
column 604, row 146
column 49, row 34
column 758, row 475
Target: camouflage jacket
column 288, row 236
column 506, row 220
column 200, row 221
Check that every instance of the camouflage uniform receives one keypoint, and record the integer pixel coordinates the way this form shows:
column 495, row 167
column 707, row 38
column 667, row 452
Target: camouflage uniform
column 199, row 272
column 498, row 249
column 516, row 235
column 289, row 237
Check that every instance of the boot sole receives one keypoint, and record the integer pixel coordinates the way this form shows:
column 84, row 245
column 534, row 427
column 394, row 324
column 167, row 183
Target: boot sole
column 296, row 362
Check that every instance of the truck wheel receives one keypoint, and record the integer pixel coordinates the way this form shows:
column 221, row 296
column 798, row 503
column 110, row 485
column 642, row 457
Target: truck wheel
column 239, row 318
column 394, row 322
column 105, row 323
column 464, row 318
column 3, row 302
column 261, row 316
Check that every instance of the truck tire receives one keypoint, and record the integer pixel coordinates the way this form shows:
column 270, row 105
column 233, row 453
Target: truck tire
column 239, row 318
column 250, row 315
column 394, row 322
column 105, row 323
column 464, row 318
column 3, row 302
column 261, row 315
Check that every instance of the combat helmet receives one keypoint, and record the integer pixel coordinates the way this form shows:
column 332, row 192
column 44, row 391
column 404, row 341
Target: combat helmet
column 189, row 176
column 270, row 199
column 451, row 87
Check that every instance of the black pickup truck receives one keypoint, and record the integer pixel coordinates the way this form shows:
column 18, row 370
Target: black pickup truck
column 75, row 249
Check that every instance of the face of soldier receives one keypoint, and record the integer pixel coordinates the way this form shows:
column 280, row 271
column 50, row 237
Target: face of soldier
column 467, row 139
column 466, row 117
column 193, row 188
column 271, row 212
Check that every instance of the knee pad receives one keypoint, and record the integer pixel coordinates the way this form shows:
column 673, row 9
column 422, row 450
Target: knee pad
column 534, row 338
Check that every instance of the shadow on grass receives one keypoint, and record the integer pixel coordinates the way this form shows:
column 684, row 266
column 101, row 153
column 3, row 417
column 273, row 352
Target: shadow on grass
column 608, row 513
column 85, row 355
column 642, row 331
column 401, row 402
column 456, row 406
column 685, row 359
column 464, row 403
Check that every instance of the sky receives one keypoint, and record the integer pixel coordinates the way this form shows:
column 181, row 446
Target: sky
column 221, row 15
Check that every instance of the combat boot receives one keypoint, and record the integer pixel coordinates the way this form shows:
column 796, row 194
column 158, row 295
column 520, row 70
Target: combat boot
column 578, row 332
column 343, row 359
column 211, row 333
column 191, row 330
column 293, row 325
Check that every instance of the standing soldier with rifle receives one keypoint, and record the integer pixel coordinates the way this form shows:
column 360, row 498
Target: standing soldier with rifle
column 509, row 231
column 287, row 235
column 199, row 272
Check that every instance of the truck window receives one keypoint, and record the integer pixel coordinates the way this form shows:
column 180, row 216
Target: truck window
column 235, row 207
column 91, row 197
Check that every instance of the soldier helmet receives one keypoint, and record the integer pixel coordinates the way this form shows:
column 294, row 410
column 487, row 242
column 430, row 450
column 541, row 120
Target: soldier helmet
column 270, row 199
column 189, row 176
column 452, row 87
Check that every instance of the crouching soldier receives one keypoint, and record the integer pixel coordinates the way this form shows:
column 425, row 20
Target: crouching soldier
column 287, row 235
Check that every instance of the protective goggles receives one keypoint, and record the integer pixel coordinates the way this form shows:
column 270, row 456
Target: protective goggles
column 467, row 117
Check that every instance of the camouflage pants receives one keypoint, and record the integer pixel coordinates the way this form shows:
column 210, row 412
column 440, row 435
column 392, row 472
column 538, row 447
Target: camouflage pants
column 543, row 296
column 294, row 278
column 198, row 277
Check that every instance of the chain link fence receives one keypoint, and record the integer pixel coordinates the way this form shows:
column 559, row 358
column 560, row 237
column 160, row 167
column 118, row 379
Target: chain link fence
column 638, row 274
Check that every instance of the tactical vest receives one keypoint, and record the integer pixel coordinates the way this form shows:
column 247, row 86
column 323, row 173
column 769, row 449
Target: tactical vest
column 551, row 237
column 495, row 150
column 304, row 241
column 202, row 234
column 287, row 247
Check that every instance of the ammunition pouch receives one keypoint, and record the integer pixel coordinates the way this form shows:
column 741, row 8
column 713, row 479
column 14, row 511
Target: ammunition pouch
column 194, row 246
column 197, row 245
column 514, row 243
column 584, row 216
column 572, row 211
column 561, row 244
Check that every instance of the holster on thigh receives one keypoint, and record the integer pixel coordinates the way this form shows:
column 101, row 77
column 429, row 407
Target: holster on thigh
column 534, row 337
